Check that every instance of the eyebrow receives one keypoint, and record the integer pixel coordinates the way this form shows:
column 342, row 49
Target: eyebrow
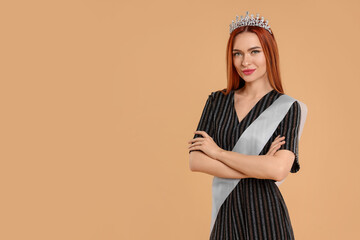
column 248, row 49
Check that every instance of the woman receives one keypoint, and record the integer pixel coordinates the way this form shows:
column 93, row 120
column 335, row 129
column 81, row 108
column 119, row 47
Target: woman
column 248, row 138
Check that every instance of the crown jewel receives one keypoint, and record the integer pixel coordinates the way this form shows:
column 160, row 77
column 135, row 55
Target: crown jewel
column 249, row 21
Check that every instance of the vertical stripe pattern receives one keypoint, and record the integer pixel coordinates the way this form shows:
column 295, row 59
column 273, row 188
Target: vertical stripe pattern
column 255, row 209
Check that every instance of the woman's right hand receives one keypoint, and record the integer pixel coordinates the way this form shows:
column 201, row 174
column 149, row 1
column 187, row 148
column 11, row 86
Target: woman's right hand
column 276, row 144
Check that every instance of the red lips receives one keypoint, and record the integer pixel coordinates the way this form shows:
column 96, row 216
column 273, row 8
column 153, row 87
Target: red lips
column 248, row 70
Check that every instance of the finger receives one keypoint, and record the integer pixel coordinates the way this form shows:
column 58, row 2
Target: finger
column 193, row 140
column 276, row 145
column 199, row 132
column 203, row 133
column 269, row 153
column 274, row 149
column 272, row 152
column 200, row 139
column 279, row 138
column 280, row 142
column 195, row 147
column 196, row 144
column 276, row 141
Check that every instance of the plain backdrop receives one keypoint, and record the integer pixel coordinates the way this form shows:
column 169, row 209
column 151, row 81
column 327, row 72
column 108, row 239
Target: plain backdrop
column 99, row 98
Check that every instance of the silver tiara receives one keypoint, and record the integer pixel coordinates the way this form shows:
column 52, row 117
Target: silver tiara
column 249, row 21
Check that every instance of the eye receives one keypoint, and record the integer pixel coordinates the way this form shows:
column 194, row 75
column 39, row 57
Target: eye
column 254, row 51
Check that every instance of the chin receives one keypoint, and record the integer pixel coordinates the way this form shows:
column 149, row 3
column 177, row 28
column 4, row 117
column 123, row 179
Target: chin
column 249, row 78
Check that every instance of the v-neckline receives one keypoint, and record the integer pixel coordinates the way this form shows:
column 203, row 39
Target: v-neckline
column 234, row 109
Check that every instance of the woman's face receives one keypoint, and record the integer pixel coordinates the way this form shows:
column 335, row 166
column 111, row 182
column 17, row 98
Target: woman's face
column 248, row 54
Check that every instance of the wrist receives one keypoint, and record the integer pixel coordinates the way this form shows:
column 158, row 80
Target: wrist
column 220, row 152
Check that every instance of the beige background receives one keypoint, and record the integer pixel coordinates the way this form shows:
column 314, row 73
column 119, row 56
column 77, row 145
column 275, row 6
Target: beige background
column 99, row 98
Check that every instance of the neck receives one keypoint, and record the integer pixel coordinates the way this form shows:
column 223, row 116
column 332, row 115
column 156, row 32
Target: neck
column 255, row 89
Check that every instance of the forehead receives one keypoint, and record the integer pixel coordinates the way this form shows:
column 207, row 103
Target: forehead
column 246, row 40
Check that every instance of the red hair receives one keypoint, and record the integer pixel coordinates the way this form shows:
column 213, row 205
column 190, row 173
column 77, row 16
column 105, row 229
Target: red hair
column 269, row 46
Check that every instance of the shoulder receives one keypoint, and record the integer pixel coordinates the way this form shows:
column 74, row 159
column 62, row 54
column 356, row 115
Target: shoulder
column 219, row 94
column 303, row 107
column 297, row 105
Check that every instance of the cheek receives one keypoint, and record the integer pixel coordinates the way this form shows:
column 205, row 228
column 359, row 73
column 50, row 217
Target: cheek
column 262, row 61
column 235, row 62
column 262, row 65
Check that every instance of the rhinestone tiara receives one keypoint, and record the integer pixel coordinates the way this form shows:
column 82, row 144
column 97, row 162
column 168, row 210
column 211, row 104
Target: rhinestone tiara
column 249, row 21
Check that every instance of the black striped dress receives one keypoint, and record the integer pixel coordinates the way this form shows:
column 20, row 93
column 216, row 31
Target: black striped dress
column 255, row 209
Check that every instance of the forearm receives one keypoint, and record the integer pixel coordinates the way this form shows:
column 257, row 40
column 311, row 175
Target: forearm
column 200, row 162
column 255, row 166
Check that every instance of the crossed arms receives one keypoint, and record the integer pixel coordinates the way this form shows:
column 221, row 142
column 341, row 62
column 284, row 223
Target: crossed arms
column 235, row 165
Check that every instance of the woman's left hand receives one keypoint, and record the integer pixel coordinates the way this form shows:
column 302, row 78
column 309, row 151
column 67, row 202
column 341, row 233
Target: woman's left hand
column 206, row 144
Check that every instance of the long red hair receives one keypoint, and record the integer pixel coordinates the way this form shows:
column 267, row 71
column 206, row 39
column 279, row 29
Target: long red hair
column 269, row 46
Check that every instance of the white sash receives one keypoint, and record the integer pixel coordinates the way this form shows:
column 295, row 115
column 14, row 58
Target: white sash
column 251, row 142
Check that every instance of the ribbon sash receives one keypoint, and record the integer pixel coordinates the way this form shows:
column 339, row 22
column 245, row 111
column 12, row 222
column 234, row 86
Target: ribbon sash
column 251, row 142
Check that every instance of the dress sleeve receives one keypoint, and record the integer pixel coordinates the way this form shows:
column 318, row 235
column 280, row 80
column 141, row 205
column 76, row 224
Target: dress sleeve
column 289, row 127
column 206, row 119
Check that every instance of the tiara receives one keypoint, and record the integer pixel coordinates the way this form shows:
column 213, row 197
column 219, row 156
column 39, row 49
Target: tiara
column 249, row 21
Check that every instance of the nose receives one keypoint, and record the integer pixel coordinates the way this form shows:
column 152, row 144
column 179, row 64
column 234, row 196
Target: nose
column 245, row 60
